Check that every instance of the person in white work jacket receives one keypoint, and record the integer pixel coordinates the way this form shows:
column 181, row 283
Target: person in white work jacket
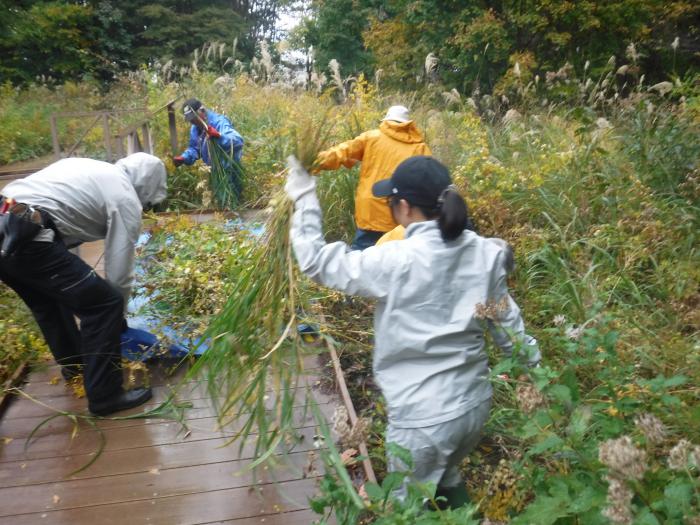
column 429, row 358
column 80, row 200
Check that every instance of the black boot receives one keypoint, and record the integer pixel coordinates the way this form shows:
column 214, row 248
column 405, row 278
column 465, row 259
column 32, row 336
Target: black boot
column 456, row 496
column 123, row 400
column 70, row 372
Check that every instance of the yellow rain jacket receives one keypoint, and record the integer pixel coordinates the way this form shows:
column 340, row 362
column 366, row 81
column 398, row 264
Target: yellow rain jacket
column 381, row 151
column 397, row 234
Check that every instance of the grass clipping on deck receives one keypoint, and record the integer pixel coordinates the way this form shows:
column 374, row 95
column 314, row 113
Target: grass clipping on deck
column 254, row 366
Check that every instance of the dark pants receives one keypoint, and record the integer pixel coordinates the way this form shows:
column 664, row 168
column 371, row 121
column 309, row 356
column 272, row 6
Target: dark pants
column 57, row 285
column 365, row 238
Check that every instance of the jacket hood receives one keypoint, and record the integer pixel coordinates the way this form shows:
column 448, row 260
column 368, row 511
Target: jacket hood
column 402, row 131
column 147, row 174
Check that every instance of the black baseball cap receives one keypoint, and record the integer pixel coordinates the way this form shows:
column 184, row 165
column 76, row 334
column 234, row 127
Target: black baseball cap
column 190, row 108
column 420, row 180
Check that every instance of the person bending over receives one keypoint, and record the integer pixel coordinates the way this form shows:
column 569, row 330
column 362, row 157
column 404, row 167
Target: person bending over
column 71, row 201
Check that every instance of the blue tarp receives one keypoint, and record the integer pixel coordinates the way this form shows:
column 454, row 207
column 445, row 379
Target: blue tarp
column 139, row 343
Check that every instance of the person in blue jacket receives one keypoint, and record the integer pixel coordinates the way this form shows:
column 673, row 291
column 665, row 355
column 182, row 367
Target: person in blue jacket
column 210, row 126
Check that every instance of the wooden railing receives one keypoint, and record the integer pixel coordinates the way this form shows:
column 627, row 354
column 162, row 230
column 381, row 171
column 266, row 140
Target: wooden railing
column 126, row 139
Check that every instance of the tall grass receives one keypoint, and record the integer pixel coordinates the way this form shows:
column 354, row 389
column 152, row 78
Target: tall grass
column 595, row 185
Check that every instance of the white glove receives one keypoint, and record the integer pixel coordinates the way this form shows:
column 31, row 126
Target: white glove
column 299, row 182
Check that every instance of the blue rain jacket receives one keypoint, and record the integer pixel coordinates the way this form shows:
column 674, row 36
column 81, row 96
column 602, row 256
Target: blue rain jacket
column 230, row 140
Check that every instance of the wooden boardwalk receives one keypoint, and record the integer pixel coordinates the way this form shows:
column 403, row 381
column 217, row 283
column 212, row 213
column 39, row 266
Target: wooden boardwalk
column 150, row 471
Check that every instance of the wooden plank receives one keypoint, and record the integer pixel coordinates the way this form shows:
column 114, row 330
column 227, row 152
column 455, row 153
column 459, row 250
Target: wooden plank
column 299, row 517
column 48, row 389
column 25, row 408
column 119, row 488
column 41, row 389
column 58, row 445
column 22, row 427
column 190, row 509
column 82, row 136
column 347, row 400
column 36, row 408
column 130, row 461
column 161, row 372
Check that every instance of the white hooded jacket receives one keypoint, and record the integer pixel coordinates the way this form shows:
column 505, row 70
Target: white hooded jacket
column 429, row 357
column 91, row 200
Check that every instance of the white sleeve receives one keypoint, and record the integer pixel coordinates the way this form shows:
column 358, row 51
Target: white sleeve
column 366, row 273
column 510, row 327
column 123, row 228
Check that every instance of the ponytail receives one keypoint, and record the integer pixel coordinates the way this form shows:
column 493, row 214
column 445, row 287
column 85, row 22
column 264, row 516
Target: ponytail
column 450, row 211
column 453, row 216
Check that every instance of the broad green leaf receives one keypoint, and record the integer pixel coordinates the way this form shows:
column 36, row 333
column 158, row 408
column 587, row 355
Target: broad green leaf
column 552, row 442
column 646, row 517
column 561, row 393
column 374, row 491
column 545, row 510
column 392, row 481
column 580, row 420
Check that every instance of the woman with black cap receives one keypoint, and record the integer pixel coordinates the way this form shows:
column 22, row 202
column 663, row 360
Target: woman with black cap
column 432, row 290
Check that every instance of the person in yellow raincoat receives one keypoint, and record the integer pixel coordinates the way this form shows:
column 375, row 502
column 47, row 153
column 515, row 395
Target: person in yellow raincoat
column 380, row 151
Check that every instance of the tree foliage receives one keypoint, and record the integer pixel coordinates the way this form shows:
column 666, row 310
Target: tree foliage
column 476, row 42
column 67, row 39
column 336, row 33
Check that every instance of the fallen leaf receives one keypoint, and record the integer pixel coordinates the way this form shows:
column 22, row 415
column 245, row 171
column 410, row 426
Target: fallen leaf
column 348, row 456
column 6, row 440
column 56, row 499
column 154, row 471
column 54, row 380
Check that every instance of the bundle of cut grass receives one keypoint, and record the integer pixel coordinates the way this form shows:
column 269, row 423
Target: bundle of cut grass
column 226, row 174
column 255, row 363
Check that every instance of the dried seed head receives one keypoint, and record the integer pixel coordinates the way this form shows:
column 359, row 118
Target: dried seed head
column 574, row 333
column 678, row 456
column 431, row 64
column 695, row 457
column 652, row 428
column 559, row 320
column 662, row 87
column 358, row 434
column 618, row 514
column 619, row 498
column 492, row 309
column 529, row 398
column 340, row 423
column 623, row 458
column 632, row 53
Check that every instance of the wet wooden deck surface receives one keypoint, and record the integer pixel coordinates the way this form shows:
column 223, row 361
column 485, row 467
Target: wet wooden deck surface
column 150, row 471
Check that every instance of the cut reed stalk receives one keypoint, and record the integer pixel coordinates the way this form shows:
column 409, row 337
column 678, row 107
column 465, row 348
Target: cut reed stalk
column 255, row 347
